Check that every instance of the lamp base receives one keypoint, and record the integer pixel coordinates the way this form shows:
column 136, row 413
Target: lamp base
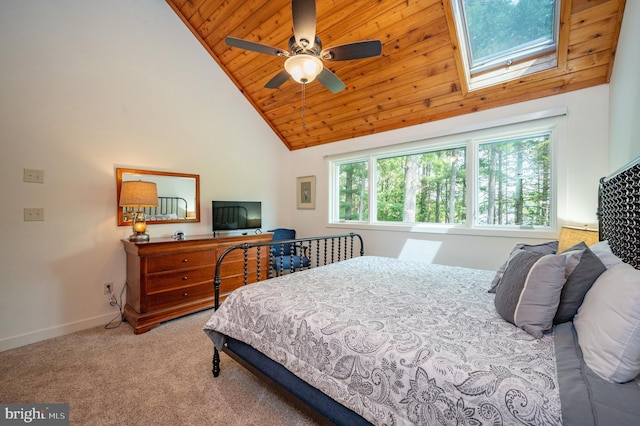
column 139, row 238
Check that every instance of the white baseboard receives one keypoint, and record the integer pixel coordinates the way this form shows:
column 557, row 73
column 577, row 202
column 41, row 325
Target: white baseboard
column 49, row 333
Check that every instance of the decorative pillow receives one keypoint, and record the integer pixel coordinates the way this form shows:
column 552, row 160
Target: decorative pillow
column 580, row 277
column 604, row 253
column 550, row 247
column 608, row 324
column 529, row 292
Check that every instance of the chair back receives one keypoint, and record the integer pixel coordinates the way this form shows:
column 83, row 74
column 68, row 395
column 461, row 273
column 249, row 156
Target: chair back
column 281, row 234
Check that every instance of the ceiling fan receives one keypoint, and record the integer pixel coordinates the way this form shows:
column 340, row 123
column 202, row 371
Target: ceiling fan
column 305, row 54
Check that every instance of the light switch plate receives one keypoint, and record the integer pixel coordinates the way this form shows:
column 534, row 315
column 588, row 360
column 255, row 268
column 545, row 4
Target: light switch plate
column 33, row 176
column 33, row 214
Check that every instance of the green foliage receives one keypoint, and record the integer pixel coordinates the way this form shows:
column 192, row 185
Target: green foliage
column 513, row 187
column 497, row 26
column 434, row 192
column 354, row 196
column 514, row 180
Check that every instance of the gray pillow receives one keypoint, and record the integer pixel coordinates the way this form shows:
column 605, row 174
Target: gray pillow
column 604, row 253
column 529, row 292
column 550, row 247
column 608, row 324
column 579, row 281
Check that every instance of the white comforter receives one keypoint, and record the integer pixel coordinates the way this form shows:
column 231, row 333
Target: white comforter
column 399, row 342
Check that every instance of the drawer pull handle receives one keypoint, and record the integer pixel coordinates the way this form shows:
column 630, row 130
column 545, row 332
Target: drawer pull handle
column 185, row 260
column 185, row 294
column 185, row 278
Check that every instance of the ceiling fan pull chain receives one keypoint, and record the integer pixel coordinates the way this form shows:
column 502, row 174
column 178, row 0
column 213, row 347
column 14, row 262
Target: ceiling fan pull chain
column 304, row 125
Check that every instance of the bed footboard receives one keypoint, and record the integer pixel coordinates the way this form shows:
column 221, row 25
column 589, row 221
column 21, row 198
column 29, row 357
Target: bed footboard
column 317, row 251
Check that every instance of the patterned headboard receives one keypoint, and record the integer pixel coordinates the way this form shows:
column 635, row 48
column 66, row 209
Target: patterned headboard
column 619, row 212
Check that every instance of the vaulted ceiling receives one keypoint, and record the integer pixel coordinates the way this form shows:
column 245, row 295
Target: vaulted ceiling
column 417, row 79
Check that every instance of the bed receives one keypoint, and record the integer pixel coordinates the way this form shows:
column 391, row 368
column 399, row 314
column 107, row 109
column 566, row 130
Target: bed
column 168, row 208
column 372, row 340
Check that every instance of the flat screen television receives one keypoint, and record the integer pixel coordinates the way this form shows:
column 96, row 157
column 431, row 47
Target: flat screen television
column 236, row 215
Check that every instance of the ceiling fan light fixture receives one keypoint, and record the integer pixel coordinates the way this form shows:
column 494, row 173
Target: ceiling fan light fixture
column 303, row 68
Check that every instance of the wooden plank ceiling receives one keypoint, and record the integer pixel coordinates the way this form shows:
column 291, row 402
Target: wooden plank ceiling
column 416, row 80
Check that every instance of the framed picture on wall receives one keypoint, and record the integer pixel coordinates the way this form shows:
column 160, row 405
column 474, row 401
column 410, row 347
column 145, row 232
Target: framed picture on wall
column 306, row 192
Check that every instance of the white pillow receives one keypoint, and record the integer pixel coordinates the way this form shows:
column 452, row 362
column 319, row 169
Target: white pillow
column 608, row 324
column 604, row 253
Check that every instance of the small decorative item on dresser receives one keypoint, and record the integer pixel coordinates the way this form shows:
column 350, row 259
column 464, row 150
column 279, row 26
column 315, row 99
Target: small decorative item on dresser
column 138, row 195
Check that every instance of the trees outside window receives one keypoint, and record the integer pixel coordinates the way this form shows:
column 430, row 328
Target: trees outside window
column 510, row 178
column 354, row 192
column 427, row 187
column 514, row 179
column 496, row 33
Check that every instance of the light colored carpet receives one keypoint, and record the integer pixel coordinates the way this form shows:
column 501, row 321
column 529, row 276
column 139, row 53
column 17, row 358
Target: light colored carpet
column 163, row 377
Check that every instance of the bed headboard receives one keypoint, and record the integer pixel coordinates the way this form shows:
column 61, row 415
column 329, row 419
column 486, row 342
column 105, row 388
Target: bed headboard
column 168, row 208
column 619, row 212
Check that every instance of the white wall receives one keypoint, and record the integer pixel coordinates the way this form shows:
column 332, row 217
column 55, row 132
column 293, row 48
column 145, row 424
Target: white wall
column 625, row 91
column 581, row 162
column 88, row 86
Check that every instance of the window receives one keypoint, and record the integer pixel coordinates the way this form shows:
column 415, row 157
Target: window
column 427, row 187
column 499, row 178
column 494, row 35
column 514, row 182
column 353, row 195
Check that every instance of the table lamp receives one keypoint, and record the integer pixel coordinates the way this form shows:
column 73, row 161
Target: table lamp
column 572, row 235
column 138, row 194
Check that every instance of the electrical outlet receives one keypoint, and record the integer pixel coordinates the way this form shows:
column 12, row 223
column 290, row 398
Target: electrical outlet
column 108, row 288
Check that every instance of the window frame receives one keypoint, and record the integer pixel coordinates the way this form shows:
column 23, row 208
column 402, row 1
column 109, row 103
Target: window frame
column 506, row 58
column 503, row 72
column 552, row 122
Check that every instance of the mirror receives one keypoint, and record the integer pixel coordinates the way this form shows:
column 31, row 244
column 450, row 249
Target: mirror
column 178, row 196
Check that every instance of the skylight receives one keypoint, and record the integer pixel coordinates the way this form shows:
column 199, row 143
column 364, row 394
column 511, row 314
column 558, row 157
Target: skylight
column 494, row 34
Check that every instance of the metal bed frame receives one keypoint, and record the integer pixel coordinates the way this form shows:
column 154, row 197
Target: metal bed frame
column 166, row 205
column 619, row 212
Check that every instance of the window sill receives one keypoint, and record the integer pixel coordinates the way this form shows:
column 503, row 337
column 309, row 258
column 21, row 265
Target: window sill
column 546, row 233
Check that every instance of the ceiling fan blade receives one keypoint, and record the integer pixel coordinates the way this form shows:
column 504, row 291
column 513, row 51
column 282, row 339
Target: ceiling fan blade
column 277, row 80
column 304, row 22
column 330, row 81
column 357, row 50
column 254, row 47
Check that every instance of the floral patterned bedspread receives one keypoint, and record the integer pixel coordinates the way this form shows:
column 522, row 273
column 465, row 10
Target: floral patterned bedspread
column 399, row 342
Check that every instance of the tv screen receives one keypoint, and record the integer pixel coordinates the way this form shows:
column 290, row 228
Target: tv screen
column 236, row 215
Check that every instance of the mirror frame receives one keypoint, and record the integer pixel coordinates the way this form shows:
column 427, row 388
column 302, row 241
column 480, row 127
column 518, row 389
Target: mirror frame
column 120, row 172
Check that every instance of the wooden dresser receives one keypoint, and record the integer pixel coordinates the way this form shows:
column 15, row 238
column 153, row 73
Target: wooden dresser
column 169, row 278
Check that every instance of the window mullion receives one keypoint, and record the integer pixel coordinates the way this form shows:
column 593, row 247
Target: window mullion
column 373, row 189
column 472, row 182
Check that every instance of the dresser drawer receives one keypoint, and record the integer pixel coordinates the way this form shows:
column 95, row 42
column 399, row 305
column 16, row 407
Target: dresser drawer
column 230, row 283
column 180, row 278
column 172, row 298
column 232, row 274
column 251, row 254
column 172, row 262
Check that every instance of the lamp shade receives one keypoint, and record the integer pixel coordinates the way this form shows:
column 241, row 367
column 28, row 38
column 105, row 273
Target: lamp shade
column 572, row 235
column 137, row 193
column 303, row 68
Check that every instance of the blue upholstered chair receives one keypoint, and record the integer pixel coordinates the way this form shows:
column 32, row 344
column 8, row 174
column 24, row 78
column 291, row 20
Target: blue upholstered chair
column 287, row 256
